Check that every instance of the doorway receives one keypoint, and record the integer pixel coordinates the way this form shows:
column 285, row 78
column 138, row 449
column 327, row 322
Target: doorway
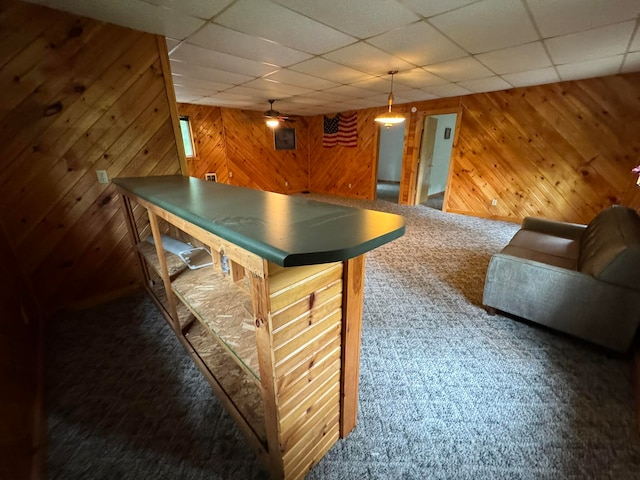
column 390, row 151
column 434, row 158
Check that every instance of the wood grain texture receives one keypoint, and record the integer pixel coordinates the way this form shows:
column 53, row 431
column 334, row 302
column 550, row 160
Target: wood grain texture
column 562, row 151
column 78, row 95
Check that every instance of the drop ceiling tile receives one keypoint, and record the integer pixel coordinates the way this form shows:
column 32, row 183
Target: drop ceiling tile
column 188, row 94
column 570, row 16
column 434, row 7
column 252, row 92
column 335, row 72
column 487, row 25
column 276, row 88
column 221, row 39
column 591, row 44
column 192, row 82
column 196, row 71
column 224, row 102
column 360, row 18
column 283, row 26
column 367, row 58
column 417, row 78
column 635, row 43
column 291, row 77
column 448, row 90
column 419, row 44
column 194, row 54
column 460, row 70
column 489, row 84
column 351, row 92
column 380, row 84
column 591, row 68
column 416, row 95
column 171, row 43
column 631, row 62
column 327, row 97
column 516, row 59
column 196, row 8
column 532, row 77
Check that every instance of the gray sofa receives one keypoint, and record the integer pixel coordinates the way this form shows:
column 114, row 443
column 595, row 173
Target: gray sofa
column 583, row 280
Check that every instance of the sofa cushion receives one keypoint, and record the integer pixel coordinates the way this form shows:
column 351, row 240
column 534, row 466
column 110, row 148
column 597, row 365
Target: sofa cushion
column 542, row 257
column 548, row 244
column 610, row 247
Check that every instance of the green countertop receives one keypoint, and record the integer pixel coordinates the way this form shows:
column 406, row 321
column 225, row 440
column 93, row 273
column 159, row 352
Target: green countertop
column 286, row 230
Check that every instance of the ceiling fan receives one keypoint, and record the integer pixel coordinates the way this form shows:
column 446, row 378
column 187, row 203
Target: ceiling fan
column 273, row 116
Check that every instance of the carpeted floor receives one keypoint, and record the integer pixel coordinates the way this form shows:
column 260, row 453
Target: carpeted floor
column 446, row 392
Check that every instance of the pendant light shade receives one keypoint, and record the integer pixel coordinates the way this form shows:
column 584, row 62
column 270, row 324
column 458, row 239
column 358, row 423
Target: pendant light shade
column 389, row 118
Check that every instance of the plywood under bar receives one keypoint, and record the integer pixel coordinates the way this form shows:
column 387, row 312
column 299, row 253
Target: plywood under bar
column 185, row 317
column 225, row 309
column 241, row 390
column 174, row 264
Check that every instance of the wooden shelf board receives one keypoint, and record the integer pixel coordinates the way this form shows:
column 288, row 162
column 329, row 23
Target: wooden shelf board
column 243, row 393
column 225, row 309
column 174, row 264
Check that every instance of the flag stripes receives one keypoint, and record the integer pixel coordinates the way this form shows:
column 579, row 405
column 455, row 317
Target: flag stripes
column 341, row 130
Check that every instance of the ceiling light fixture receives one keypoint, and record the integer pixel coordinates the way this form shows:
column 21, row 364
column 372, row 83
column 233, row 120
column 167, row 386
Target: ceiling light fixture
column 273, row 122
column 389, row 118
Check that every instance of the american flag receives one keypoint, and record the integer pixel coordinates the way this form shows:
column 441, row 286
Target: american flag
column 330, row 137
column 341, row 130
column 348, row 130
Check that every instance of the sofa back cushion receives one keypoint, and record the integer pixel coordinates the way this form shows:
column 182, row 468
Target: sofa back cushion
column 610, row 247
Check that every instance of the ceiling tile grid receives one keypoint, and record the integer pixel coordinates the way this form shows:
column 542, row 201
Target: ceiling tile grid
column 317, row 57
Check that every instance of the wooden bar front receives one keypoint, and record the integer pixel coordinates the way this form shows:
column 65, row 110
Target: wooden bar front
column 280, row 346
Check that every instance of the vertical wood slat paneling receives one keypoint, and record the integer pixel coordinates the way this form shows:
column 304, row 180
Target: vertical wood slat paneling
column 78, row 95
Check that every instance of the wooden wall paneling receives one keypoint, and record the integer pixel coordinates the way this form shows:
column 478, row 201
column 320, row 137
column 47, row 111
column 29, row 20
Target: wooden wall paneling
column 252, row 158
column 83, row 95
column 208, row 137
column 560, row 151
column 333, row 169
column 173, row 106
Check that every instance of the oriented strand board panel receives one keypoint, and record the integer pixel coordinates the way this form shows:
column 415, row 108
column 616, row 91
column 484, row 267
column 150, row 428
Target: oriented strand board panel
column 78, row 96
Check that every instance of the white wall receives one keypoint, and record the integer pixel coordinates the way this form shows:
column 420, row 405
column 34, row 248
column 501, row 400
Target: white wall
column 442, row 153
column 390, row 153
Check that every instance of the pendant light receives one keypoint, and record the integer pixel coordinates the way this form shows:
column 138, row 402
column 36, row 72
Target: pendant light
column 389, row 118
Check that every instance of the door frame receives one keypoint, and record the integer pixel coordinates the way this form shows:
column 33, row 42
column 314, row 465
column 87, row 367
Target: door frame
column 410, row 157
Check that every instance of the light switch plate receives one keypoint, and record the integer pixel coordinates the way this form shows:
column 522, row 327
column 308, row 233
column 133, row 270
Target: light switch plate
column 103, row 176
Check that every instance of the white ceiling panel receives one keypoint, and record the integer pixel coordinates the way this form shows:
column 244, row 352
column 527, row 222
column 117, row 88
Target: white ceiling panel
column 516, row 59
column 489, row 84
column 467, row 26
column 434, row 7
column 419, row 44
column 197, row 71
column 360, row 18
column 335, row 72
column 291, row 77
column 631, row 62
column 221, row 39
column 312, row 55
column 204, row 9
column 187, row 52
column 448, row 90
column 532, row 77
column 283, row 26
column 591, row 68
column 591, row 44
column 367, row 58
column 467, row 68
column 561, row 17
column 417, row 78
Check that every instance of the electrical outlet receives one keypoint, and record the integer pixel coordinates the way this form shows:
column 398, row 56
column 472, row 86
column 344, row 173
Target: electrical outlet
column 286, row 184
column 103, row 176
column 494, row 202
column 349, row 185
column 230, row 174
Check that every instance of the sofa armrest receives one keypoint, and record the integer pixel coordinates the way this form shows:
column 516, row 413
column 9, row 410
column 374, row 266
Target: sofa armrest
column 563, row 299
column 552, row 227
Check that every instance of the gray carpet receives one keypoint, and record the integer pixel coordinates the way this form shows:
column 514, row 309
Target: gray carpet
column 446, row 392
